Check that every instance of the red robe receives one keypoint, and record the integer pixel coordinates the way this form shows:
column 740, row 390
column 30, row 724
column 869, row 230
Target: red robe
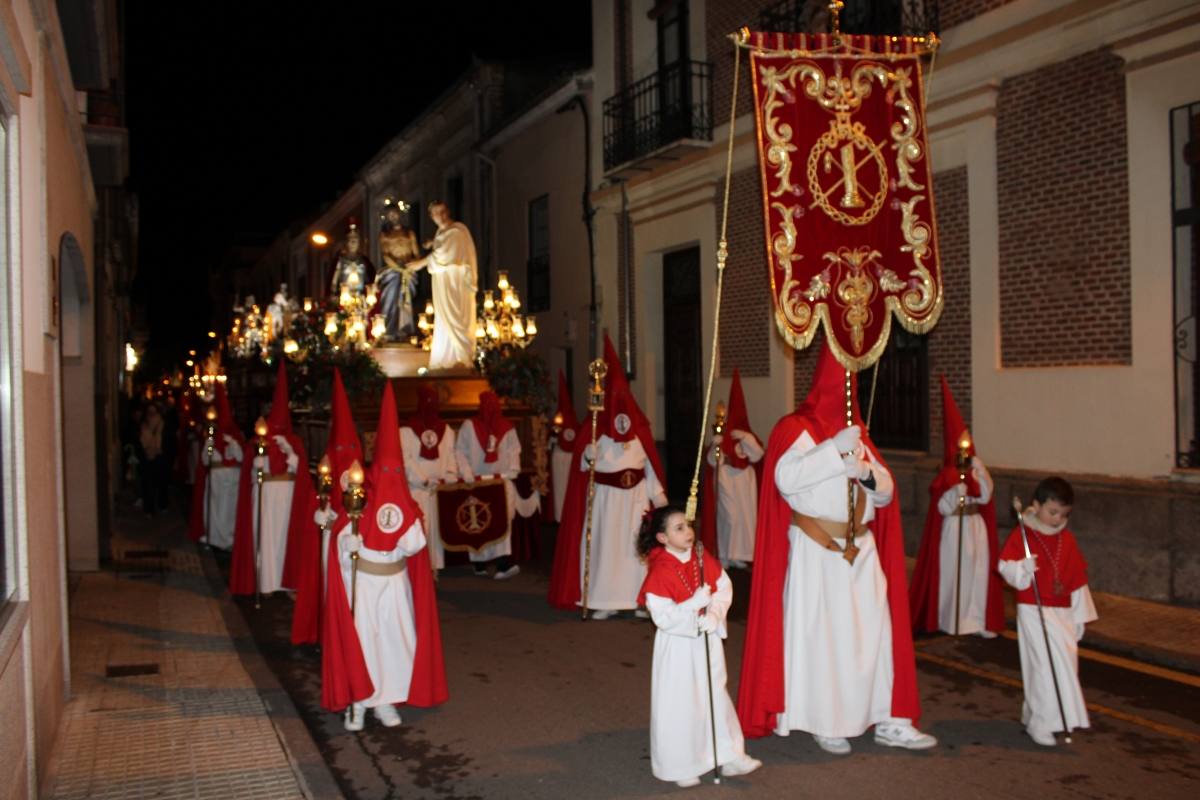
column 1071, row 572
column 761, row 690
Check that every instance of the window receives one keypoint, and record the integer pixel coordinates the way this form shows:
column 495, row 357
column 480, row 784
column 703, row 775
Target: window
column 1185, row 219
column 537, row 275
column 900, row 418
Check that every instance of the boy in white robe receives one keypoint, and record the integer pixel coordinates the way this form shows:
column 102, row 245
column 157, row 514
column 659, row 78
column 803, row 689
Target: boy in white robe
column 1058, row 566
column 689, row 611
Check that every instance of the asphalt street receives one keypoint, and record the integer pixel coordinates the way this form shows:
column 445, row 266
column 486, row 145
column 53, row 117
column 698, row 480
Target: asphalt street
column 543, row 705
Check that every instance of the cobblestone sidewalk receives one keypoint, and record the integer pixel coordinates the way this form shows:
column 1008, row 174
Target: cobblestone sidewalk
column 162, row 705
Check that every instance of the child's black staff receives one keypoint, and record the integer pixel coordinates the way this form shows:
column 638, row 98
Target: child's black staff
column 712, row 709
column 1037, row 597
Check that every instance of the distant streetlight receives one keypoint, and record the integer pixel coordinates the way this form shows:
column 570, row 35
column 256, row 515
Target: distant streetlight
column 212, row 334
column 320, row 239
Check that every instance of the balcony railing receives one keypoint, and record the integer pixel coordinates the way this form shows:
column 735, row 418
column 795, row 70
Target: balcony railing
column 884, row 17
column 670, row 105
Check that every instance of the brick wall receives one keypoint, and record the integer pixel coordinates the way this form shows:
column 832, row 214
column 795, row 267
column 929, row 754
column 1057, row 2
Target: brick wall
column 1064, row 215
column 747, row 324
column 725, row 17
column 956, row 12
column 950, row 342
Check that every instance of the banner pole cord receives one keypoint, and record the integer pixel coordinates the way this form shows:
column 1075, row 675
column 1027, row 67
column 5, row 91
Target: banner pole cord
column 739, row 38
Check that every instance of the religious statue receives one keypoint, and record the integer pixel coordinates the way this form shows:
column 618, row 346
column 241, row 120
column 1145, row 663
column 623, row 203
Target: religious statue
column 397, row 283
column 454, row 275
column 353, row 270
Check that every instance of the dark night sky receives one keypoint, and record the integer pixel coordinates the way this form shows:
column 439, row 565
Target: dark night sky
column 245, row 116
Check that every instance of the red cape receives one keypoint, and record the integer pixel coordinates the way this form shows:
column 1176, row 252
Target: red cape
column 761, row 691
column 344, row 676
column 665, row 575
column 565, row 590
column 923, row 594
column 242, row 579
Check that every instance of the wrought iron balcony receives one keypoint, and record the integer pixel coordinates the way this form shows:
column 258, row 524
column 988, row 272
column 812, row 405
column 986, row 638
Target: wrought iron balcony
column 884, row 17
column 651, row 118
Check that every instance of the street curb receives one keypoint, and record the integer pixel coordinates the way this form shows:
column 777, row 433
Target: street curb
column 312, row 773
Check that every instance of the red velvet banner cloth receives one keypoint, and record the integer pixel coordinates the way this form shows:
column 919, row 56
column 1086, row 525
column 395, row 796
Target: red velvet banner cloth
column 472, row 516
column 847, row 189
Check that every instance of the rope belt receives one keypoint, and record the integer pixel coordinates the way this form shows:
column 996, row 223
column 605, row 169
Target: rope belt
column 970, row 510
column 824, row 531
column 622, row 479
column 383, row 568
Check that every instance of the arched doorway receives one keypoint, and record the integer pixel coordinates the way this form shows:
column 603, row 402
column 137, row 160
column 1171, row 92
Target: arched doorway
column 77, row 356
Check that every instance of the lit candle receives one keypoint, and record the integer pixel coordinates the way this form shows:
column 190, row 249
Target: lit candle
column 260, row 427
column 355, row 478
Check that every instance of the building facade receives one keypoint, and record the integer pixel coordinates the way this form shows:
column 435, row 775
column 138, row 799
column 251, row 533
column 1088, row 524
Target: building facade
column 67, row 239
column 1062, row 137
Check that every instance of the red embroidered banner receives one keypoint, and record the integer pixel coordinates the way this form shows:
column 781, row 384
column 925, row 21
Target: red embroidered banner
column 472, row 515
column 847, row 189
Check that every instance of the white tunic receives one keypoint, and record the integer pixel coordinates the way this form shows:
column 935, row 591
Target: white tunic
column 276, row 513
column 423, row 476
column 616, row 571
column 453, row 273
column 1065, row 627
column 737, row 502
column 383, row 617
column 469, row 454
column 560, row 471
column 837, row 626
column 680, row 723
column 972, row 601
column 224, row 477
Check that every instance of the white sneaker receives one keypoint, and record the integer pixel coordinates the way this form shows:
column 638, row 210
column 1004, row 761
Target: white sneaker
column 687, row 783
column 986, row 634
column 603, row 613
column 511, row 572
column 831, row 744
column 641, row 613
column 387, row 715
column 742, row 765
column 1043, row 738
column 355, row 718
column 903, row 734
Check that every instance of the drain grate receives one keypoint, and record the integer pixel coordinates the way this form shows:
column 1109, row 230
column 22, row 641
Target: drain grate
column 127, row 670
column 146, row 554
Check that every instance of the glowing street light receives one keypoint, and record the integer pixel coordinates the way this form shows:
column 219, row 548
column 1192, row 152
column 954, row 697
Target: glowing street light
column 320, row 239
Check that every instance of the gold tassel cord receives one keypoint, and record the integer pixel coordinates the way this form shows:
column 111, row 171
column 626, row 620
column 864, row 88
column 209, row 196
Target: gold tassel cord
column 739, row 38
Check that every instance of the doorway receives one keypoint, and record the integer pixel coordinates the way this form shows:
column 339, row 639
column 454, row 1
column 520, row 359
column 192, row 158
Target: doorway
column 682, row 369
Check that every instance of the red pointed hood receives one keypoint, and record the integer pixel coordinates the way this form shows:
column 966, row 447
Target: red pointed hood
column 490, row 425
column 826, row 401
column 621, row 415
column 280, row 419
column 344, row 447
column 566, row 412
column 952, row 427
column 390, row 509
column 428, row 418
column 736, row 419
column 225, row 420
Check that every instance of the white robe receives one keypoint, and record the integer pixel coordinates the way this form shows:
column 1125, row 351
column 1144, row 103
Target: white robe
column 837, row 625
column 276, row 513
column 423, row 475
column 383, row 617
column 469, row 454
column 680, row 722
column 560, row 472
column 617, row 572
column 224, row 478
column 1065, row 627
column 453, row 273
column 737, row 503
column 972, row 601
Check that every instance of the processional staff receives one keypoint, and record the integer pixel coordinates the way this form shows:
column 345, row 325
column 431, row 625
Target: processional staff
column 260, row 474
column 354, row 500
column 962, row 459
column 210, row 448
column 598, row 369
column 324, row 490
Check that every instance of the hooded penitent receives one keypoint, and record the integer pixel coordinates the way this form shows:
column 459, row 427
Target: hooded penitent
column 342, row 450
column 490, row 425
column 622, row 420
column 761, row 691
column 428, row 418
column 226, row 426
column 736, row 419
column 926, row 576
column 389, row 513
